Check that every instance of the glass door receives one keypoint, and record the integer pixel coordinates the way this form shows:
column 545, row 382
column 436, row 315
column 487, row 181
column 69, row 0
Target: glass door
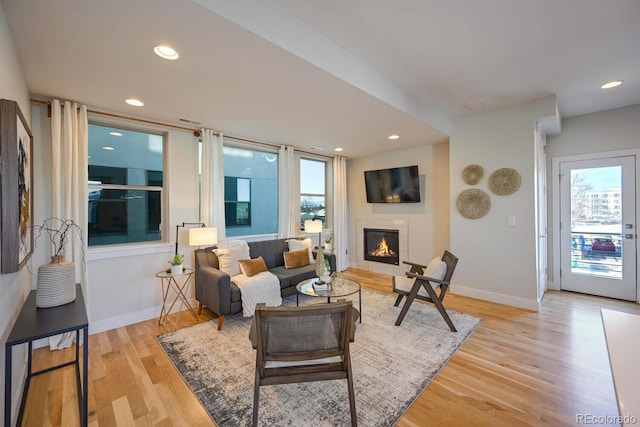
column 597, row 229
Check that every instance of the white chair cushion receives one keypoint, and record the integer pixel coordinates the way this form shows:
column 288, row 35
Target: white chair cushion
column 228, row 258
column 405, row 283
column 436, row 270
column 296, row 245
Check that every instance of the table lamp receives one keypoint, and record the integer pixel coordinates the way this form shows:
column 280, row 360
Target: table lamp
column 314, row 226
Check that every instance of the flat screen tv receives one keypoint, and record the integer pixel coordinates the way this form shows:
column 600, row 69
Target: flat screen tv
column 395, row 185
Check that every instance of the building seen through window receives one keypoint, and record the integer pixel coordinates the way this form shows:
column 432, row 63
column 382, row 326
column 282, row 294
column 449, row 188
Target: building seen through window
column 125, row 185
column 250, row 191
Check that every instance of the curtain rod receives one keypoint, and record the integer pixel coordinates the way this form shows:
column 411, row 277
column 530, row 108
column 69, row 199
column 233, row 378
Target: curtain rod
column 196, row 131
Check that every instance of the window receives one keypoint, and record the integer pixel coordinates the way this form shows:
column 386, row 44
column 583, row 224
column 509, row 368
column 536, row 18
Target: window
column 312, row 191
column 125, row 186
column 237, row 201
column 250, row 191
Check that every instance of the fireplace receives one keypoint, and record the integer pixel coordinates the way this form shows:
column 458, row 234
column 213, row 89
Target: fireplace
column 381, row 246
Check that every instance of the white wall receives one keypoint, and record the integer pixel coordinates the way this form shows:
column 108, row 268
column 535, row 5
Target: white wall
column 13, row 287
column 428, row 221
column 122, row 287
column 611, row 130
column 497, row 261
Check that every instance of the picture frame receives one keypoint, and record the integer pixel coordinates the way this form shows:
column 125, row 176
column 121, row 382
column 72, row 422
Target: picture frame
column 16, row 188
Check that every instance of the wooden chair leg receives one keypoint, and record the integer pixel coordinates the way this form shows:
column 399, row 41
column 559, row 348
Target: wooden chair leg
column 352, row 398
column 256, row 399
column 199, row 308
column 220, row 320
column 408, row 302
column 398, row 300
column 438, row 303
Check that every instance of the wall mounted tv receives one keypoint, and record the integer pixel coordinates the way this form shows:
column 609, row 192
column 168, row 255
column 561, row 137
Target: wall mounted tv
column 395, row 185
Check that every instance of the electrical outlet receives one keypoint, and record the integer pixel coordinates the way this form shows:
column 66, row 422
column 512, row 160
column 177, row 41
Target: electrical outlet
column 511, row 221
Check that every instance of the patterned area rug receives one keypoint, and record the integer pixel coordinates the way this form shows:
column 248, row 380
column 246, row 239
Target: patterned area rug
column 391, row 367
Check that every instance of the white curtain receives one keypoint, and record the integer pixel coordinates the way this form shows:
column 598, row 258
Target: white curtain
column 340, row 213
column 212, row 182
column 69, row 188
column 286, row 197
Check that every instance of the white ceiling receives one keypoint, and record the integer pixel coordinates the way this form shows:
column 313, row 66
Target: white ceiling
column 333, row 72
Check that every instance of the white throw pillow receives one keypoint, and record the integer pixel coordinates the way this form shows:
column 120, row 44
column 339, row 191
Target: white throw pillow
column 436, row 269
column 296, row 245
column 228, row 259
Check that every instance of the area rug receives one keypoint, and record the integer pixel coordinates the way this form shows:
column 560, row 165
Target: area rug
column 391, row 367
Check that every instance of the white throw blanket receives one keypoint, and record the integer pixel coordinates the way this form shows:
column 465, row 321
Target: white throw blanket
column 263, row 287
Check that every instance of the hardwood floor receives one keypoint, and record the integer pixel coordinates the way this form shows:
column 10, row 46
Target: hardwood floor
column 518, row 368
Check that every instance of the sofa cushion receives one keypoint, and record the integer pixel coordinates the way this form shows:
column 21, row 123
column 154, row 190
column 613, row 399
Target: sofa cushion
column 228, row 258
column 297, row 244
column 293, row 259
column 270, row 250
column 251, row 267
column 293, row 276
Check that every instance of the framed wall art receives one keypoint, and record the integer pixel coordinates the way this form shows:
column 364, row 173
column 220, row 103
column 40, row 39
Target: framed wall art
column 16, row 188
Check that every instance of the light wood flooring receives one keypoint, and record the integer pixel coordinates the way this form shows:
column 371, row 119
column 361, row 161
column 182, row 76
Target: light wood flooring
column 518, row 368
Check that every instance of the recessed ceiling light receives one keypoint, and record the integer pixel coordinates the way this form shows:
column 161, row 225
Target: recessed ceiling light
column 106, row 147
column 166, row 52
column 115, row 133
column 338, row 149
column 611, row 84
column 134, row 102
column 394, row 137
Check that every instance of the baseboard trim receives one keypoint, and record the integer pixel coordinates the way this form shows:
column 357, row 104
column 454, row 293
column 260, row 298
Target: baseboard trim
column 494, row 297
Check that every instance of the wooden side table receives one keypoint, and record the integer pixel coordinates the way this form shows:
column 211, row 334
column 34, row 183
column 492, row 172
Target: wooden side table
column 34, row 323
column 177, row 285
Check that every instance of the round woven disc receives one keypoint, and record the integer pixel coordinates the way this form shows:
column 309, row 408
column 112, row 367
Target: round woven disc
column 472, row 174
column 473, row 203
column 504, row 181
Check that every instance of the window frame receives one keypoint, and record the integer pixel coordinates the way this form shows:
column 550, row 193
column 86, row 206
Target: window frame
column 328, row 187
column 103, row 251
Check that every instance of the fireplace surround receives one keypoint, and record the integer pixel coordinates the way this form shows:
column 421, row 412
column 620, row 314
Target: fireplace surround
column 382, row 245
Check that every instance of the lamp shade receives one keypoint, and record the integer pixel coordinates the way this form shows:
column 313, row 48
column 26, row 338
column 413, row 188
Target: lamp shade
column 202, row 236
column 313, row 226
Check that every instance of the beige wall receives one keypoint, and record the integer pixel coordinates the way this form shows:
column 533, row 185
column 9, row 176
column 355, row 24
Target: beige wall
column 13, row 287
column 427, row 221
column 498, row 261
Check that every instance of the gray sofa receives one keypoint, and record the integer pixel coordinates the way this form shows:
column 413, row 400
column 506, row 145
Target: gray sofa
column 215, row 290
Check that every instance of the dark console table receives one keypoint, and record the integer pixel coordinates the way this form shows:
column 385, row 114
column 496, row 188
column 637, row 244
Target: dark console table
column 35, row 323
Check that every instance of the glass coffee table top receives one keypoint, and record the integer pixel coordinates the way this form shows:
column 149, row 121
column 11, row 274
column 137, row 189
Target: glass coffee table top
column 339, row 287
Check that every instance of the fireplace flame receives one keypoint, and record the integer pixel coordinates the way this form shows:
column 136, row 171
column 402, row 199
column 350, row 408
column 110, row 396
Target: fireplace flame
column 382, row 249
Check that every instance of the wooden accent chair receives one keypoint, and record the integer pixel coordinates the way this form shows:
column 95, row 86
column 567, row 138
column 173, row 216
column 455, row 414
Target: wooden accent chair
column 418, row 285
column 306, row 343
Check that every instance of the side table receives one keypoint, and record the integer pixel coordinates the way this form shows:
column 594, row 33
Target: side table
column 179, row 285
column 34, row 323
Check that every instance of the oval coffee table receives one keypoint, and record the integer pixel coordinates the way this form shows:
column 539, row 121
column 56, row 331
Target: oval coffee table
column 341, row 287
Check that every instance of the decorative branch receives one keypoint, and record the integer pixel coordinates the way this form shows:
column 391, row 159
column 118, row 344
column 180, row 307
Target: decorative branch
column 58, row 231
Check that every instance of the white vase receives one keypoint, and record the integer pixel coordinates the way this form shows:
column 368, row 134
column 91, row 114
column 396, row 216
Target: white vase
column 56, row 283
column 328, row 246
column 176, row 270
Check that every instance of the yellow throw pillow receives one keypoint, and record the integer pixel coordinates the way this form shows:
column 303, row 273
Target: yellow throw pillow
column 251, row 267
column 293, row 259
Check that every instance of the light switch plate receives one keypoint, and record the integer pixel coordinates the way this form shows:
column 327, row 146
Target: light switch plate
column 511, row 220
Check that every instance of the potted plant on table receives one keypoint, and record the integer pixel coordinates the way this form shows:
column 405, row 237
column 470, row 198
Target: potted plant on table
column 176, row 264
column 327, row 242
